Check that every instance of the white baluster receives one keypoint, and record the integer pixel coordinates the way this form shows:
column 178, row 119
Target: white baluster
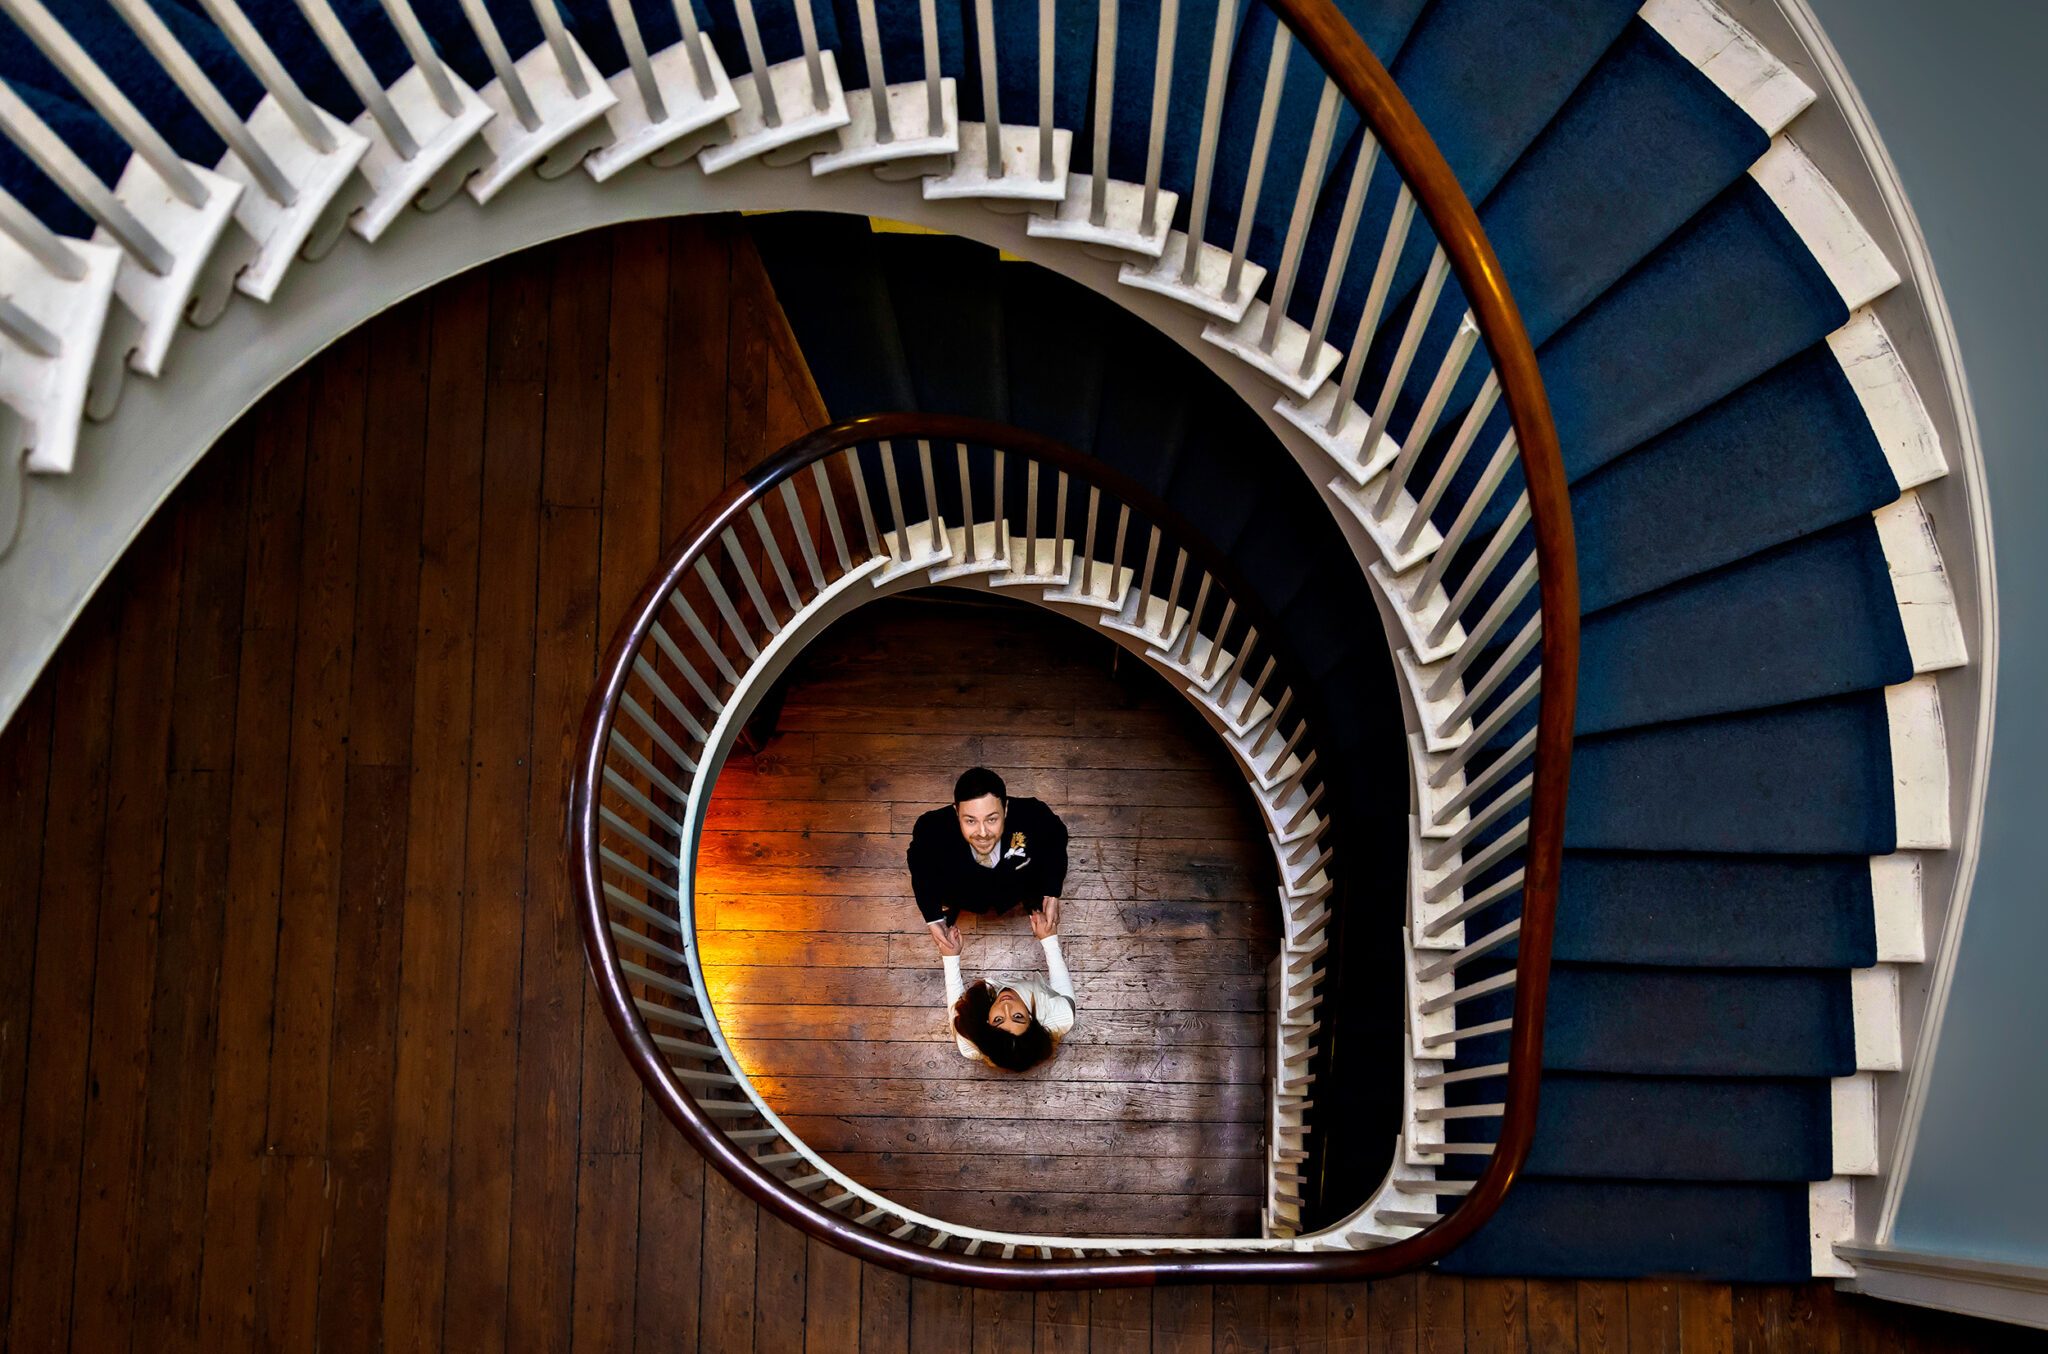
column 1188, row 268
column 1266, row 337
column 669, row 105
column 418, row 154
column 784, row 109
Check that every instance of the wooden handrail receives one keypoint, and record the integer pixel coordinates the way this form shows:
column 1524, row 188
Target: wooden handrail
column 706, row 1135
column 1364, row 81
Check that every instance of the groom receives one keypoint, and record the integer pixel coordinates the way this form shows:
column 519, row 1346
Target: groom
column 986, row 853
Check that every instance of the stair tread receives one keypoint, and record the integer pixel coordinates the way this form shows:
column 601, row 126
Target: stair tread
column 1752, row 1232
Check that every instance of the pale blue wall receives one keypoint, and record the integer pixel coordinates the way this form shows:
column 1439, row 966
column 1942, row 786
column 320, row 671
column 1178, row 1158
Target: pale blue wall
column 1958, row 93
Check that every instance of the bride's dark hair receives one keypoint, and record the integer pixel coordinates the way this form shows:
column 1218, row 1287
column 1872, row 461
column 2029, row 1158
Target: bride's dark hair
column 1011, row 1052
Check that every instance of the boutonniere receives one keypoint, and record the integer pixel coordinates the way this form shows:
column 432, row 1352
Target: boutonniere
column 1017, row 849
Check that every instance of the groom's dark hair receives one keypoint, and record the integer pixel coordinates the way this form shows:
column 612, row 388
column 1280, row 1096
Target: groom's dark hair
column 977, row 781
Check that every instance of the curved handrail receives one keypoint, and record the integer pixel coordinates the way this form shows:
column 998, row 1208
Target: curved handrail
column 62, row 324
column 1346, row 59
column 682, row 1109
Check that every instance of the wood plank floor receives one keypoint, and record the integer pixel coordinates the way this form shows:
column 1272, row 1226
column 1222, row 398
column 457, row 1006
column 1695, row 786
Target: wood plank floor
column 296, row 1048
column 1149, row 1120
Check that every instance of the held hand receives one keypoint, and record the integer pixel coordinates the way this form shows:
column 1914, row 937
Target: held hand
column 1051, row 908
column 946, row 938
column 1045, row 923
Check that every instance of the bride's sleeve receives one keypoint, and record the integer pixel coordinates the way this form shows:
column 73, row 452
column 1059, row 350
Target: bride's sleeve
column 955, row 987
column 1060, row 1021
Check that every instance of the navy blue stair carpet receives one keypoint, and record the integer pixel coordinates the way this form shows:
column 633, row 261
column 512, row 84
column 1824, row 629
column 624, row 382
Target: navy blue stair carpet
column 1733, row 770
column 1727, row 794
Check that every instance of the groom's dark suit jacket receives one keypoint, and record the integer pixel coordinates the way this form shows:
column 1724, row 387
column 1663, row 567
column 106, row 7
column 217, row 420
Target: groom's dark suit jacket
column 947, row 879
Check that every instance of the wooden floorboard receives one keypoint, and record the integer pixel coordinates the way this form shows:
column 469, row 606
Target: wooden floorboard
column 1016, row 1150
column 295, row 1042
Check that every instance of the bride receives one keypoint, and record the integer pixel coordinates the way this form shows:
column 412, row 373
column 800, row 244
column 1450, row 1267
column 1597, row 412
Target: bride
column 1015, row 1025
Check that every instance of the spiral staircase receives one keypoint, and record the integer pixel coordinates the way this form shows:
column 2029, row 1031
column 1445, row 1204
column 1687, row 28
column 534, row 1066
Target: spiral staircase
column 1484, row 274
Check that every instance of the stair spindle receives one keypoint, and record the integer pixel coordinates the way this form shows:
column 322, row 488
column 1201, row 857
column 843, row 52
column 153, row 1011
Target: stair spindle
column 256, row 54
column 502, row 67
column 1155, row 135
column 428, row 61
column 1312, row 167
column 106, row 98
column 1369, row 319
column 21, row 125
column 1340, row 248
column 1262, row 146
column 1048, row 33
column 628, row 25
column 1105, row 105
column 1404, row 358
column 829, row 505
column 1212, row 121
column 193, row 83
column 1447, row 373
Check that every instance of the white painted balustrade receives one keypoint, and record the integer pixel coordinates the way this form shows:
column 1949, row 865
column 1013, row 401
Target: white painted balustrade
column 175, row 243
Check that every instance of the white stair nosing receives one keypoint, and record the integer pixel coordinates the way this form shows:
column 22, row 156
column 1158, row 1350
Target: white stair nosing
column 562, row 114
column 1283, row 366
column 1853, row 1117
column 1837, row 240
column 48, row 392
column 1831, row 1218
column 1057, row 551
column 927, row 549
column 909, row 122
column 448, row 151
column 802, row 120
column 1017, row 147
column 983, row 554
column 1430, row 800
column 1745, row 71
column 1431, row 714
column 1417, row 624
column 1212, row 270
column 272, row 233
column 1898, row 905
column 1891, row 403
column 634, row 137
column 1874, row 1006
column 1386, row 533
column 189, row 233
column 1122, row 229
column 1345, row 445
column 1927, row 605
column 1919, row 751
